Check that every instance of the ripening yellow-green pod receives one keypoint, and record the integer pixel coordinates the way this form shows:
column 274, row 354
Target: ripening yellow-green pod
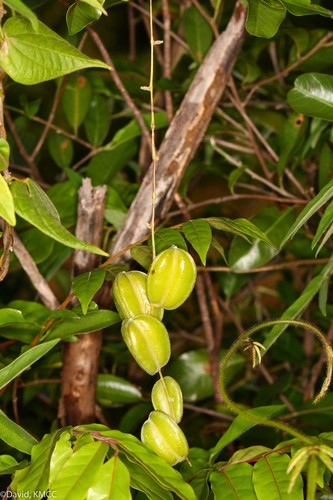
column 167, row 396
column 148, row 341
column 165, row 437
column 171, row 278
column 130, row 295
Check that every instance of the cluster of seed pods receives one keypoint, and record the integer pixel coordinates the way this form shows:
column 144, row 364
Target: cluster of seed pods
column 140, row 300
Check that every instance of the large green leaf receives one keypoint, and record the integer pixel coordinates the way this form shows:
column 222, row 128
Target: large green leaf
column 233, row 482
column 313, row 95
column 34, row 206
column 31, row 57
column 241, row 425
column 14, row 435
column 324, row 195
column 112, row 482
column 35, row 477
column 79, row 324
column 198, row 232
column 270, row 479
column 264, row 17
column 86, row 285
column 79, row 472
column 7, row 211
column 24, row 361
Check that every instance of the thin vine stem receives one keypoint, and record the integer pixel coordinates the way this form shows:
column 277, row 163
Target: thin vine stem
column 232, row 405
column 152, row 125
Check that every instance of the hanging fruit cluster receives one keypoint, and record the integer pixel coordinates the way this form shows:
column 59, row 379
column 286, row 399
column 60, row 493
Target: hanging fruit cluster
column 140, row 300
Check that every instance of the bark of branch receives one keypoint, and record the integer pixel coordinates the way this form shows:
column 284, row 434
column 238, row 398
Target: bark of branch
column 185, row 132
column 80, row 359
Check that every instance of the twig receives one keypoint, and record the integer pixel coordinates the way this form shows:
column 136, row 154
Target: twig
column 167, row 56
column 20, row 146
column 38, row 281
column 274, row 267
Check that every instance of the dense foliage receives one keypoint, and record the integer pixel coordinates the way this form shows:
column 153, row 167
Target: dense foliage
column 248, row 194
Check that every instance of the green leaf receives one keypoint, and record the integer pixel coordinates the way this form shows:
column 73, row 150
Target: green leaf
column 79, row 472
column 325, row 165
column 300, row 304
column 14, row 435
column 91, row 322
column 98, row 119
column 274, row 223
column 61, row 149
column 142, row 481
column 61, row 453
column 23, row 10
column 133, row 130
column 198, row 33
column 291, row 138
column 167, row 477
column 112, row 483
column 112, row 390
column 8, row 465
column 75, row 100
column 86, row 285
column 35, row 477
column 325, row 225
column 82, row 13
column 190, row 371
column 270, row 479
column 305, row 7
column 313, row 95
column 7, row 211
column 24, row 361
column 198, row 232
column 166, row 237
column 240, row 425
column 34, row 206
column 142, row 255
column 242, row 227
column 30, row 57
column 311, row 208
column 264, row 17
column 4, row 154
column 232, row 482
column 104, row 165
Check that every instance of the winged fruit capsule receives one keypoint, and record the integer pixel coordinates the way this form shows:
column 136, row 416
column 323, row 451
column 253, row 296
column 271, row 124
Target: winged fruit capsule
column 171, row 278
column 130, row 295
column 148, row 341
column 167, row 396
column 165, row 437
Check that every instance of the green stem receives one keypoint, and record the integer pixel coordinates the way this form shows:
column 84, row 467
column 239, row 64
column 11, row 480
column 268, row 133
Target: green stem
column 265, row 421
column 152, row 125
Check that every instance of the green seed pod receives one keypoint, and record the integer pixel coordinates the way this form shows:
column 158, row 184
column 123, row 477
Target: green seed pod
column 130, row 296
column 167, row 396
column 171, row 278
column 165, row 437
column 148, row 341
